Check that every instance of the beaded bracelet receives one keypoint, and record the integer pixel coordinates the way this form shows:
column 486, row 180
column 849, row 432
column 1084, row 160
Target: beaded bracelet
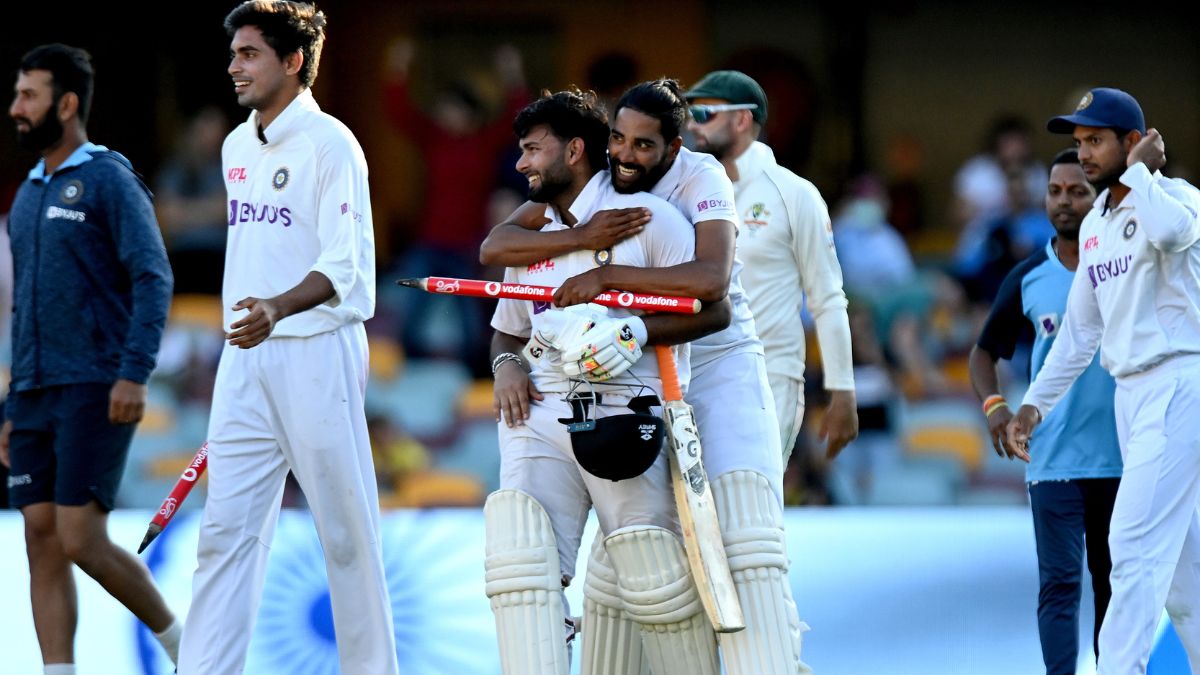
column 502, row 358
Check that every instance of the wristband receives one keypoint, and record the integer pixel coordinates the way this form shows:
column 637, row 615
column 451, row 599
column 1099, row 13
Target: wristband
column 995, row 406
column 502, row 358
column 991, row 401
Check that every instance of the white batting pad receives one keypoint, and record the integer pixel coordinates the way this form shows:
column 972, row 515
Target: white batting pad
column 658, row 593
column 612, row 642
column 752, row 530
column 524, row 584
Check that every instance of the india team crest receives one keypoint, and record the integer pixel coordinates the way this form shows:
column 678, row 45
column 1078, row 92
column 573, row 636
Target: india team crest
column 280, row 179
column 603, row 256
column 72, row 192
column 1084, row 102
column 1130, row 228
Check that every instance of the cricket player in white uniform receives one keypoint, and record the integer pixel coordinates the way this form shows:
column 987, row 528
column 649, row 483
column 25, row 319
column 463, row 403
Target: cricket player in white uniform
column 538, row 515
column 729, row 390
column 786, row 245
column 1136, row 297
column 290, row 384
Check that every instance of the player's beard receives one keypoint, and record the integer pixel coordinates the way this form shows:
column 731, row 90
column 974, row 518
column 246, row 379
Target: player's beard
column 552, row 182
column 1111, row 177
column 1068, row 232
column 643, row 182
column 714, row 145
column 44, row 134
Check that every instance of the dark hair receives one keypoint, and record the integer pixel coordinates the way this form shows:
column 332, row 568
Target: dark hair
column 1005, row 125
column 70, row 71
column 569, row 114
column 288, row 27
column 1068, row 156
column 661, row 99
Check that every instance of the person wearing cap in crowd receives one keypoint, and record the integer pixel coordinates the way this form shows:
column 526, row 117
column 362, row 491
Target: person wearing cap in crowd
column 786, row 245
column 1136, row 297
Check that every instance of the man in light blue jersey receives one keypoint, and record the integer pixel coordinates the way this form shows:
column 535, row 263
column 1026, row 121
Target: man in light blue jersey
column 1075, row 464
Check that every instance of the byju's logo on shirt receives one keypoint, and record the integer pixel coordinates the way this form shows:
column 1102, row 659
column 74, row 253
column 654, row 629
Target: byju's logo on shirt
column 1102, row 272
column 59, row 213
column 706, row 204
column 248, row 212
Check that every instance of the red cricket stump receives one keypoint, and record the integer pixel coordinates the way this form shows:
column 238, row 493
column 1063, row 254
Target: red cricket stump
column 187, row 481
column 497, row 289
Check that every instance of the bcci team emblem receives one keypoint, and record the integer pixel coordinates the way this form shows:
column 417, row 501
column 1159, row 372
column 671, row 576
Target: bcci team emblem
column 1130, row 228
column 72, row 192
column 1084, row 102
column 280, row 179
column 603, row 256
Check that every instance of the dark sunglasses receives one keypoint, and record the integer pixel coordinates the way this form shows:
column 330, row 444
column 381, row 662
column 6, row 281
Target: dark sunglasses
column 704, row 113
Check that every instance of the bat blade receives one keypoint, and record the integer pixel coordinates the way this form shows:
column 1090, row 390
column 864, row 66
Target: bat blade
column 698, row 521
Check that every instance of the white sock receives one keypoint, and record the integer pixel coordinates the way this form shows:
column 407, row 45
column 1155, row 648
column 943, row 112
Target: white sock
column 169, row 639
column 59, row 669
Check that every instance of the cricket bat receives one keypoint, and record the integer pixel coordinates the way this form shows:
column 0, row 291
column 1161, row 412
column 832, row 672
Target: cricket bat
column 694, row 501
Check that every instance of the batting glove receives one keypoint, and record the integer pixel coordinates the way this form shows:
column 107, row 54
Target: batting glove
column 555, row 327
column 606, row 350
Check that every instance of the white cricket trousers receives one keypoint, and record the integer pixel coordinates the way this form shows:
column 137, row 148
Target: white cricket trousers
column 1154, row 538
column 289, row 403
column 735, row 414
column 789, row 409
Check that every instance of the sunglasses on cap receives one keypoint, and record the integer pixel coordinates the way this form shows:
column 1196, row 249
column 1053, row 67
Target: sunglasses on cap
column 703, row 113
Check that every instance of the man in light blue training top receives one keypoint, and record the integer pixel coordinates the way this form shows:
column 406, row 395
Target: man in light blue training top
column 1075, row 465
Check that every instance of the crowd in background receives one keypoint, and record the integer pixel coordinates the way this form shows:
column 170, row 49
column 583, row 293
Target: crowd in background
column 915, row 308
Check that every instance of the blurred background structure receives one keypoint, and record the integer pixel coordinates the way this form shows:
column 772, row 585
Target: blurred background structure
column 921, row 122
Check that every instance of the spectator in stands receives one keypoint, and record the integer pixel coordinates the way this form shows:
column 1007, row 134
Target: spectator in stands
column 190, row 199
column 461, row 150
column 981, row 190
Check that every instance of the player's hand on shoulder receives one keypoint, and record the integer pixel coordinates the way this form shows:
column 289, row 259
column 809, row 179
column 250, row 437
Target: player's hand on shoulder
column 1150, row 150
column 512, row 392
column 256, row 326
column 581, row 288
column 126, row 402
column 606, row 350
column 610, row 226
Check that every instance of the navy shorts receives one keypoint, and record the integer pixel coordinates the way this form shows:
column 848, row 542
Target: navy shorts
column 63, row 448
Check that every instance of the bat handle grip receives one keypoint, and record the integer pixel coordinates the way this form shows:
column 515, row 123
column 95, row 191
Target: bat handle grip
column 668, row 373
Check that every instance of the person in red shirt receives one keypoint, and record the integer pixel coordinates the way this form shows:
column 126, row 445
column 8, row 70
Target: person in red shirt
column 462, row 153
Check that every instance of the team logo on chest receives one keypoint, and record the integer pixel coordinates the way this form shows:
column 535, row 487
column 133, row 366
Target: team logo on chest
column 1130, row 228
column 72, row 192
column 280, row 179
column 603, row 256
column 756, row 217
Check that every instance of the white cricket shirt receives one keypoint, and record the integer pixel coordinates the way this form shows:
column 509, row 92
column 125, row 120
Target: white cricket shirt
column 666, row 241
column 1136, row 292
column 299, row 203
column 698, row 186
column 786, row 246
